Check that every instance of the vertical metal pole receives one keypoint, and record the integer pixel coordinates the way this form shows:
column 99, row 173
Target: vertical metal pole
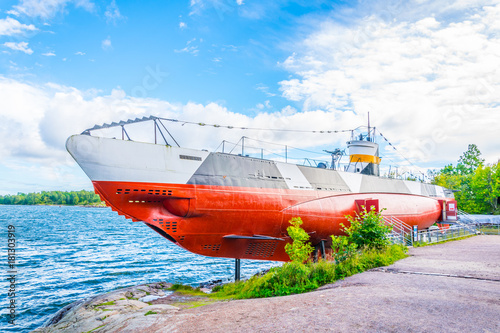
column 223, row 141
column 369, row 127
column 122, row 133
column 243, row 146
column 261, row 153
column 286, row 154
column 237, row 269
column 155, row 129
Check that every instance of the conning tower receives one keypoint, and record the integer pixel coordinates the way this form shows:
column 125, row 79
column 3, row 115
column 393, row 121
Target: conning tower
column 363, row 153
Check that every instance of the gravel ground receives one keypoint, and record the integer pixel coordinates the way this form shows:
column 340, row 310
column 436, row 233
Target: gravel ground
column 451, row 287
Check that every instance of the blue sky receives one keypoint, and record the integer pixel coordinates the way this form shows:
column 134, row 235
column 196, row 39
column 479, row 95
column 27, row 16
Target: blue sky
column 427, row 71
column 211, row 51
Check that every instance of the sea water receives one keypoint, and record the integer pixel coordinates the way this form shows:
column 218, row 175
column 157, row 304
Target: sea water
column 63, row 254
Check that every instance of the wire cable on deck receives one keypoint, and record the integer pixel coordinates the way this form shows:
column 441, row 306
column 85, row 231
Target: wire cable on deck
column 255, row 128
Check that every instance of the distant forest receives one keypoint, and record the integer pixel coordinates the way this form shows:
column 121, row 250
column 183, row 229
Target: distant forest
column 477, row 184
column 72, row 198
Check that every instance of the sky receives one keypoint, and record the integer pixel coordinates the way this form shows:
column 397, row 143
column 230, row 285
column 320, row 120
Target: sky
column 427, row 72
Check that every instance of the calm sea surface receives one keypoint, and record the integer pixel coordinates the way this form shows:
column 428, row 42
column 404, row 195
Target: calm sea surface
column 64, row 254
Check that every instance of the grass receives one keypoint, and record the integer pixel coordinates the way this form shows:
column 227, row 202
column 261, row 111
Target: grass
column 150, row 313
column 188, row 290
column 489, row 230
column 295, row 278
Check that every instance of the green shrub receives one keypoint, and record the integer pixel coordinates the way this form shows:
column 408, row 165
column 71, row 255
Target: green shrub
column 368, row 230
column 342, row 249
column 296, row 278
column 299, row 251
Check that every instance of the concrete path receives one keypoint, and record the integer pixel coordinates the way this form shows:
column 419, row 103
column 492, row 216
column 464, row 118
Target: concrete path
column 452, row 287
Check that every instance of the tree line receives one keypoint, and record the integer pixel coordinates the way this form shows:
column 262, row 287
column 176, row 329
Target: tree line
column 477, row 184
column 84, row 198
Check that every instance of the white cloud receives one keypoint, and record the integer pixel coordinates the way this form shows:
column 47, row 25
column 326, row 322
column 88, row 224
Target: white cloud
column 191, row 49
column 112, row 13
column 88, row 5
column 80, row 53
column 182, row 25
column 106, row 44
column 47, row 9
column 430, row 84
column 265, row 89
column 49, row 54
column 10, row 26
column 240, row 2
column 221, row 7
column 265, row 105
column 21, row 46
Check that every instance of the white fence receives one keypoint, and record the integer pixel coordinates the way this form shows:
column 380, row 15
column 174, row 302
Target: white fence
column 466, row 225
column 435, row 236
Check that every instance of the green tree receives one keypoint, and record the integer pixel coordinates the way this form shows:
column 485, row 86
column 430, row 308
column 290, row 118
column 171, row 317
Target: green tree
column 52, row 198
column 342, row 248
column 470, row 160
column 484, row 189
column 477, row 185
column 495, row 188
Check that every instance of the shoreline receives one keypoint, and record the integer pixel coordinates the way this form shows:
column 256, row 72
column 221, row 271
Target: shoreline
column 60, row 205
column 458, row 280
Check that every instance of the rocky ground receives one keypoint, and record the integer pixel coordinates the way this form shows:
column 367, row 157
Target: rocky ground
column 451, row 287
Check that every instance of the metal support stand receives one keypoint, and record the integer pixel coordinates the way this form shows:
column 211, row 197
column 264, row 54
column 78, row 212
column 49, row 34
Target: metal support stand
column 237, row 269
column 321, row 248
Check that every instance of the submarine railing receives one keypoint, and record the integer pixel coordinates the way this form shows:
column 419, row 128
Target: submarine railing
column 466, row 220
column 465, row 217
column 401, row 231
column 485, row 224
